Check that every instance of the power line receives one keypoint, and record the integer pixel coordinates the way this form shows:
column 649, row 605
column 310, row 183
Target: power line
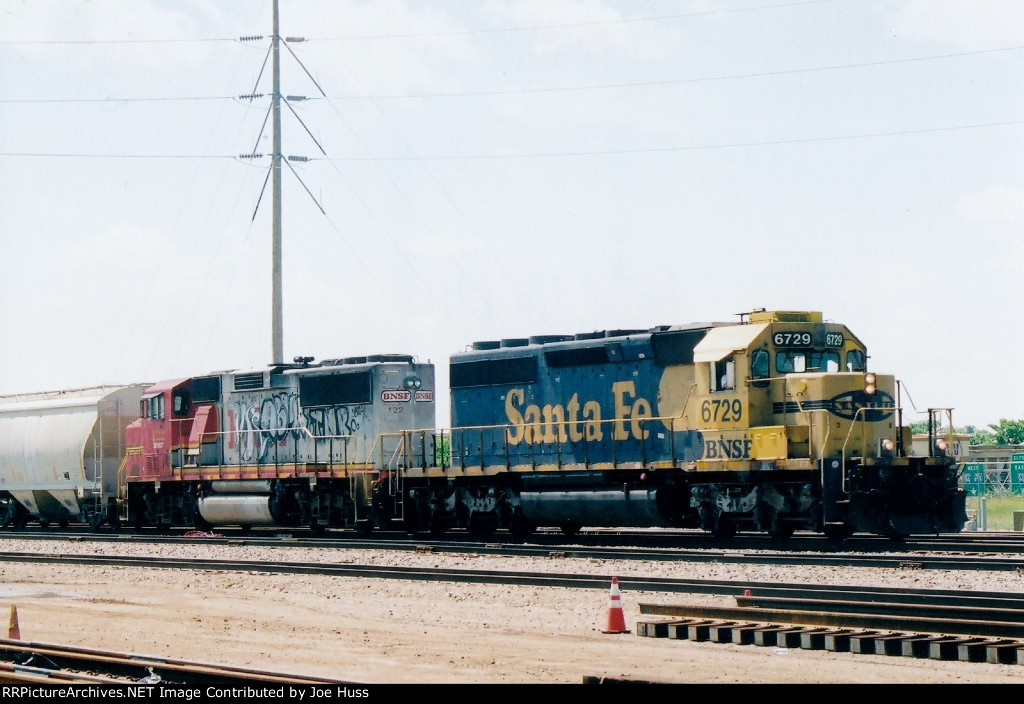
column 700, row 79
column 46, row 42
column 700, row 147
column 529, row 28
column 553, row 89
column 58, row 155
column 575, row 25
column 542, row 155
column 117, row 100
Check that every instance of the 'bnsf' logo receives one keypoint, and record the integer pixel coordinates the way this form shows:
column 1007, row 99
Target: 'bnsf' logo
column 876, row 407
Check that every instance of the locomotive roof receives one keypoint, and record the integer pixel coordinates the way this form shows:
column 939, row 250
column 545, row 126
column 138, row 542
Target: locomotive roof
column 299, row 367
column 578, row 340
column 161, row 386
column 723, row 341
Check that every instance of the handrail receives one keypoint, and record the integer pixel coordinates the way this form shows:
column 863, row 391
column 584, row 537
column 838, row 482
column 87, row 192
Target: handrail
column 277, row 463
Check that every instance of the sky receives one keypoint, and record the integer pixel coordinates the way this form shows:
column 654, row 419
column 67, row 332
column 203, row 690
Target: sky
column 498, row 169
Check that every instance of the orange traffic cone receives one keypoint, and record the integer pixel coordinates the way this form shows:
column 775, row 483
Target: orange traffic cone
column 616, row 621
column 13, row 632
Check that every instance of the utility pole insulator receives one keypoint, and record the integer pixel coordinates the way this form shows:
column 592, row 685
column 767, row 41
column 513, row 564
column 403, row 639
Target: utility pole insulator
column 298, row 158
column 295, row 39
column 295, row 98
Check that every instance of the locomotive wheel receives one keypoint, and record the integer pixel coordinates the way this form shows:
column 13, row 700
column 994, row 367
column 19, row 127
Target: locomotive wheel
column 63, row 523
column 838, row 533
column 569, row 530
column 482, row 525
column 201, row 523
column 438, row 525
column 782, row 531
column 725, row 528
column 317, row 529
column 520, row 528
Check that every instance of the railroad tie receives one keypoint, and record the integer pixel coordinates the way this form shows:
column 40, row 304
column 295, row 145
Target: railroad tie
column 950, row 649
column 892, row 644
column 656, row 628
column 978, row 652
column 921, row 646
column 838, row 641
column 744, row 635
column 1004, row 653
column 769, row 635
column 864, row 643
column 681, row 629
column 701, row 632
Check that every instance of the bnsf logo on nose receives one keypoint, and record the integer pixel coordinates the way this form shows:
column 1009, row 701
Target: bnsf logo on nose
column 395, row 395
column 857, row 405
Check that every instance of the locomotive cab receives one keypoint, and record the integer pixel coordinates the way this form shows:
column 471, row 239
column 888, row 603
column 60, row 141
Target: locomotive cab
column 786, row 393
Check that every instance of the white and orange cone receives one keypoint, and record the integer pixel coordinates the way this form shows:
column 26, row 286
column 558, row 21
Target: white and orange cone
column 616, row 620
column 13, row 632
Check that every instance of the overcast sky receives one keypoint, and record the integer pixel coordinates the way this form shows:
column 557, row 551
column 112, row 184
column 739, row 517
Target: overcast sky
column 503, row 169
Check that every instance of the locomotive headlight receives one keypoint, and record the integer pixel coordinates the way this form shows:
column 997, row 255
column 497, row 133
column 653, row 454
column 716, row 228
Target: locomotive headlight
column 888, row 445
column 869, row 384
column 941, row 444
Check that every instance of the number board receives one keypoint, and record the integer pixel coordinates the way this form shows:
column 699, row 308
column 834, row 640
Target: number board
column 804, row 339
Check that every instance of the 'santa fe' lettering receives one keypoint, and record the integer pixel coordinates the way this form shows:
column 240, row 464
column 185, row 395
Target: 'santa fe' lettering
column 576, row 421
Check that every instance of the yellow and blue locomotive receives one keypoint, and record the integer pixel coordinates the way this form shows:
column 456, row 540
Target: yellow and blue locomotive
column 770, row 424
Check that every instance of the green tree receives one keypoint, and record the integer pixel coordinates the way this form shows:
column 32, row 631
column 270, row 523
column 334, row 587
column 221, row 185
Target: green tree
column 983, row 437
column 1008, row 432
column 921, row 426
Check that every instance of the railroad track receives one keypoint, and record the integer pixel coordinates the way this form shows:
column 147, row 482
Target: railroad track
column 27, row 662
column 941, row 625
column 946, row 624
column 980, row 606
column 893, row 560
column 939, row 640
column 1003, row 542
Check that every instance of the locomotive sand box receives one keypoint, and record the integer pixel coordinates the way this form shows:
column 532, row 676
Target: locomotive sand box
column 773, row 423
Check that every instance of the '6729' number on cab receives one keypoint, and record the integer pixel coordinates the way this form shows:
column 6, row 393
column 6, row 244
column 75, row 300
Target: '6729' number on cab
column 721, row 410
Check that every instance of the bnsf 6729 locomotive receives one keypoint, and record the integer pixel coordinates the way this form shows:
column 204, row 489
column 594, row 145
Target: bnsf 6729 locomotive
column 772, row 424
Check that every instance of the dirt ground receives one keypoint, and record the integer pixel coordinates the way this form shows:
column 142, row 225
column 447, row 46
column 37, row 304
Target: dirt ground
column 400, row 632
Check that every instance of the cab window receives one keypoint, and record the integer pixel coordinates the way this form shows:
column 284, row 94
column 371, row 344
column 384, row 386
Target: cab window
column 790, row 361
column 760, row 366
column 180, row 403
column 824, row 362
column 855, row 361
column 723, row 375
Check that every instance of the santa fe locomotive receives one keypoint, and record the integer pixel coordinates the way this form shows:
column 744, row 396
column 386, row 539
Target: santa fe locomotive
column 772, row 424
